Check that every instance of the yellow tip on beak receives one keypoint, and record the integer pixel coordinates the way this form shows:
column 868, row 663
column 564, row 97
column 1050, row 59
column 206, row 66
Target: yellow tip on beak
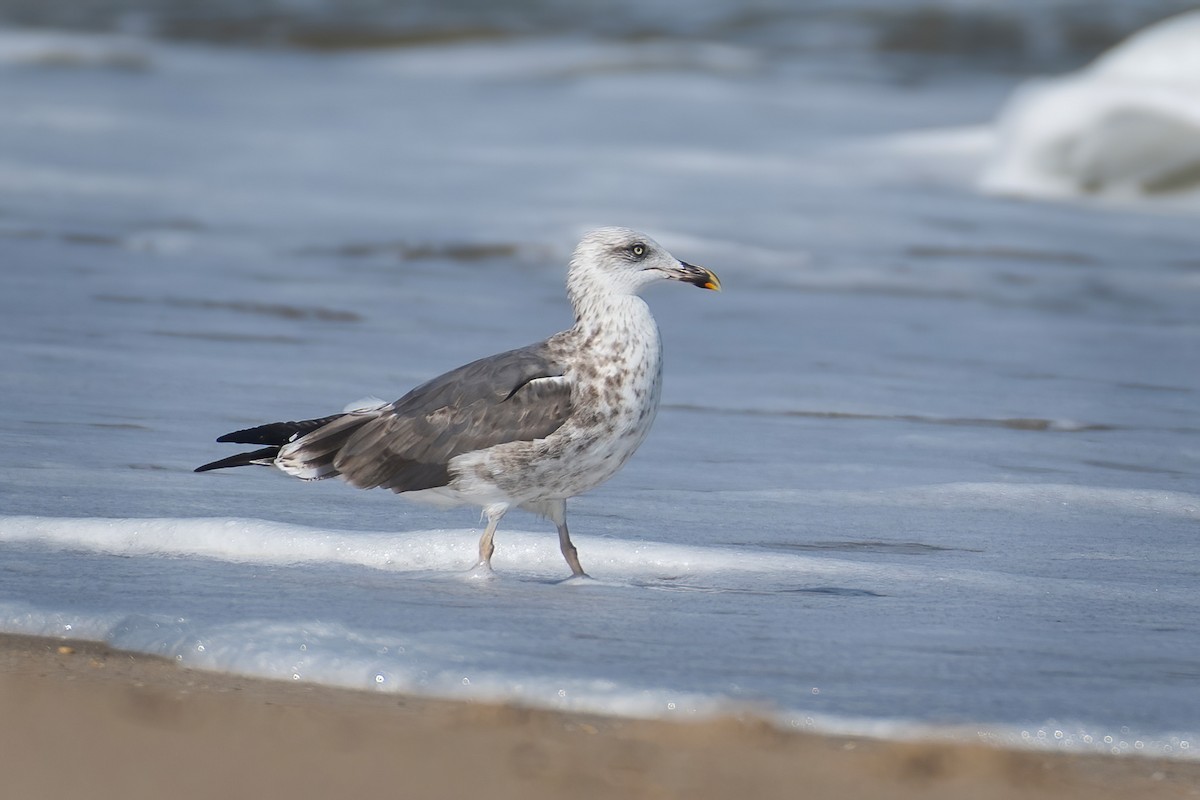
column 697, row 276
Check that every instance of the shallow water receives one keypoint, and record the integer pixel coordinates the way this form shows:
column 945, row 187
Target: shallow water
column 930, row 459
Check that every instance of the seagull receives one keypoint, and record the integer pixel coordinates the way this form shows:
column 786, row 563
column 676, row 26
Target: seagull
column 530, row 427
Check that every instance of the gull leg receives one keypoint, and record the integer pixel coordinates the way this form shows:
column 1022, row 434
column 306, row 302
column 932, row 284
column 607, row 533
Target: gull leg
column 568, row 551
column 558, row 514
column 486, row 548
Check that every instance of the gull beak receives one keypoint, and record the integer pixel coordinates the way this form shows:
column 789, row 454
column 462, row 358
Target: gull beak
column 696, row 276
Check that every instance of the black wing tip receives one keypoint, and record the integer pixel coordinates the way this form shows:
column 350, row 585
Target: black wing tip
column 241, row 459
column 277, row 433
column 274, row 433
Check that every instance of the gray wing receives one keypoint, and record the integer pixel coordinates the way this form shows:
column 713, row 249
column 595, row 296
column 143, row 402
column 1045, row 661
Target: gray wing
column 408, row 444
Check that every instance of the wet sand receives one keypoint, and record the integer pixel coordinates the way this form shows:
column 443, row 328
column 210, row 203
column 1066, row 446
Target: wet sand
column 81, row 720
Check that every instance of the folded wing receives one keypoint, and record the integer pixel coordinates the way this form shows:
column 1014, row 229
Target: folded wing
column 519, row 395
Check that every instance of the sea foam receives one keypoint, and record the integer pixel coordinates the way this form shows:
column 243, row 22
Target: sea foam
column 1126, row 127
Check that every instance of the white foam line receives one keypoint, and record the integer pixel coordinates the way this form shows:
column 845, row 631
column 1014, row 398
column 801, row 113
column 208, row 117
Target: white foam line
column 1049, row 736
column 241, row 540
column 262, row 541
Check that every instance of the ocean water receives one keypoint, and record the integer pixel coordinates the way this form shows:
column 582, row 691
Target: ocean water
column 929, row 465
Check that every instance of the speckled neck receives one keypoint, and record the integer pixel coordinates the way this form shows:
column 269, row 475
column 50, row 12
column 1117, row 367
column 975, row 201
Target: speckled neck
column 617, row 319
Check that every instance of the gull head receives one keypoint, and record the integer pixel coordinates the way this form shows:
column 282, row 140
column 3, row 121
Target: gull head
column 620, row 261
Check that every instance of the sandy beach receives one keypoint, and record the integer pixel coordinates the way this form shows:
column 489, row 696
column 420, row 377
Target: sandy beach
column 81, row 719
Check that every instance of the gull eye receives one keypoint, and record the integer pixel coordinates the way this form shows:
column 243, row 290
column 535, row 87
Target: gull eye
column 638, row 250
